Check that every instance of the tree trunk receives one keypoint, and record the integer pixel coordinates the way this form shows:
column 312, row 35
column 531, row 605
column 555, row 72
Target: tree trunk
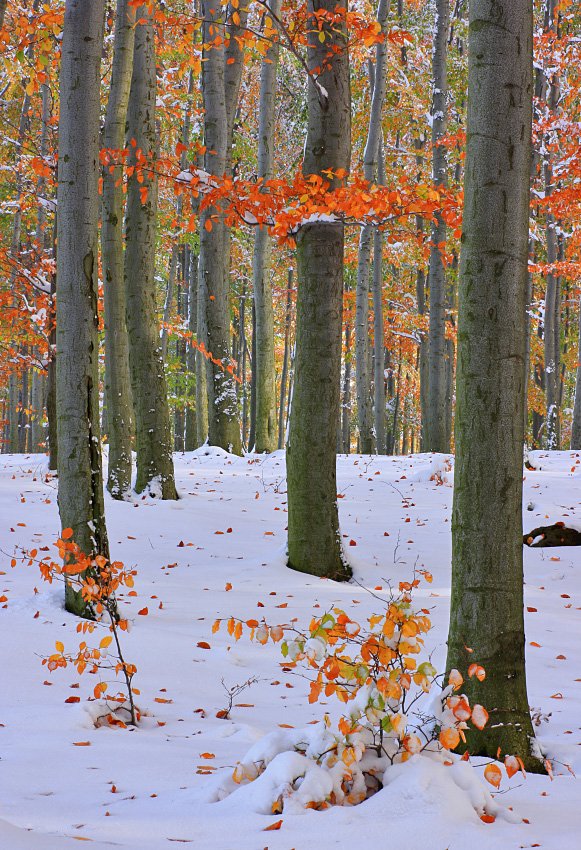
column 378, row 83
column 266, row 439
column 346, row 397
column 284, row 375
column 576, row 423
column 437, row 441
column 118, row 399
column 213, row 290
column 314, row 541
column 487, row 568
column 552, row 294
column 152, row 427
column 80, row 495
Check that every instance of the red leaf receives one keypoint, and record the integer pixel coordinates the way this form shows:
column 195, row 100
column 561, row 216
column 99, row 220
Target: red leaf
column 203, row 645
column 73, row 699
column 143, row 611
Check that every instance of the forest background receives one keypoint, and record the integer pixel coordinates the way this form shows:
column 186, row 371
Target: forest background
column 399, row 317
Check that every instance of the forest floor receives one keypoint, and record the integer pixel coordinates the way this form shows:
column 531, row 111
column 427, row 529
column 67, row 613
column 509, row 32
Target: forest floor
column 145, row 787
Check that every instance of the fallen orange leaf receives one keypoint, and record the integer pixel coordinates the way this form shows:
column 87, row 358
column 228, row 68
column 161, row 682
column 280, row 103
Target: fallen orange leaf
column 276, row 825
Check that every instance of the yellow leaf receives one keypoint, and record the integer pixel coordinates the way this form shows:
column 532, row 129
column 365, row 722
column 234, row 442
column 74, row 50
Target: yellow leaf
column 106, row 641
column 60, row 646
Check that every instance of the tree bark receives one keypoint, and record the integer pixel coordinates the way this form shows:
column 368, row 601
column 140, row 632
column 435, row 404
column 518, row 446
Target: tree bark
column 552, row 294
column 314, row 541
column 213, row 288
column 266, row 438
column 487, row 568
column 576, row 423
column 285, row 362
column 117, row 378
column 378, row 84
column 152, row 427
column 80, row 495
column 437, row 441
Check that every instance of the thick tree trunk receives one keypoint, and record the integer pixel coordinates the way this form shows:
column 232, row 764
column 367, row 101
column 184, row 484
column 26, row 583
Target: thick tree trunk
column 314, row 540
column 487, row 568
column 152, row 427
column 266, row 438
column 118, row 399
column 80, row 495
column 437, row 441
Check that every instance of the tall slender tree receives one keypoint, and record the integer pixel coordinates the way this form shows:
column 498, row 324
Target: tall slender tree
column 152, row 427
column 80, row 495
column 378, row 84
column 437, row 441
column 266, row 437
column 221, row 71
column 314, row 541
column 117, row 378
column 486, row 618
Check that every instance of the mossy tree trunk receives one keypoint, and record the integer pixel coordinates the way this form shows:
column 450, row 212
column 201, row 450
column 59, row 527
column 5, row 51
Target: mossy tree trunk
column 152, row 427
column 487, row 566
column 117, row 379
column 314, row 540
column 80, row 495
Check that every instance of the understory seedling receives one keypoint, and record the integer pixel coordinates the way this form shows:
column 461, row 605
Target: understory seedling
column 395, row 706
column 97, row 579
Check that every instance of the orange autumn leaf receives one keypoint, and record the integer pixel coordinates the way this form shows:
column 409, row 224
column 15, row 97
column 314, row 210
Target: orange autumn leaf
column 449, row 738
column 479, row 716
column 511, row 765
column 456, row 679
column 476, row 670
column 276, row 825
column 492, row 774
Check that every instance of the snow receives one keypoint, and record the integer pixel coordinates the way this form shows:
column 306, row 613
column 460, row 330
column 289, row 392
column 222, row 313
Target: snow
column 141, row 788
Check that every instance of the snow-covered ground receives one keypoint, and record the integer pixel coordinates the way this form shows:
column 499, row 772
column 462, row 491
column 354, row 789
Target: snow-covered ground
column 143, row 788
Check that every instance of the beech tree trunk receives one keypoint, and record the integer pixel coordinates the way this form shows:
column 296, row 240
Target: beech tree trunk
column 552, row 329
column 266, row 437
column 576, row 423
column 314, row 540
column 437, row 441
column 378, row 83
column 285, row 362
column 213, row 286
column 152, row 427
column 487, row 568
column 117, row 378
column 80, row 495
